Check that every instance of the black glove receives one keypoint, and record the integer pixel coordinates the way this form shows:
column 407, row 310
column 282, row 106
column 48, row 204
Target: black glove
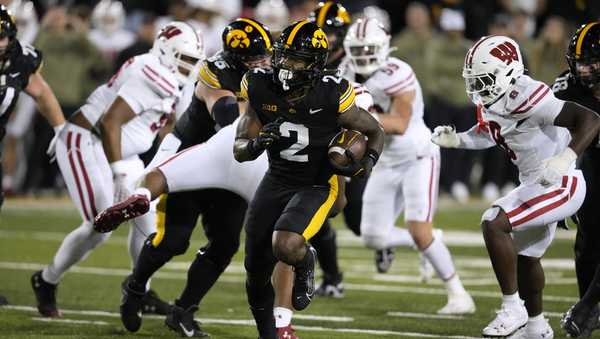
column 358, row 168
column 268, row 135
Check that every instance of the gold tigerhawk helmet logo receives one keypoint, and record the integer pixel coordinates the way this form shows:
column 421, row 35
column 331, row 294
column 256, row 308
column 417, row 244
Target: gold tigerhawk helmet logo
column 319, row 39
column 237, row 39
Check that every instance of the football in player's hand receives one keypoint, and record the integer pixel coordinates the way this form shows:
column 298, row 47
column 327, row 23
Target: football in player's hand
column 346, row 141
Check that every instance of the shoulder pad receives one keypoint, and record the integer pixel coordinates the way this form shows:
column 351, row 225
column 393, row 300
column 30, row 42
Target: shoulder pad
column 395, row 76
column 161, row 80
column 524, row 95
column 29, row 57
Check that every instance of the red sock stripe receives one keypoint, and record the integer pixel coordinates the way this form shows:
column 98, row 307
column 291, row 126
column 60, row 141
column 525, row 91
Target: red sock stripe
column 75, row 175
column 534, row 201
column 86, row 179
column 547, row 208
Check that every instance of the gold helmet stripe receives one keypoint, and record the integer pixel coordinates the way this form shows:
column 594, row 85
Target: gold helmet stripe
column 295, row 30
column 259, row 29
column 581, row 37
column 323, row 13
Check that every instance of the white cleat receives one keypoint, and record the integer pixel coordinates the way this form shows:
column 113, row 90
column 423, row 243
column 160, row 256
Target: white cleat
column 508, row 320
column 458, row 303
column 529, row 332
column 426, row 270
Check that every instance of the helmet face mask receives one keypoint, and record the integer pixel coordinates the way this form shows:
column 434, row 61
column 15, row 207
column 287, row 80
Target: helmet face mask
column 583, row 55
column 296, row 69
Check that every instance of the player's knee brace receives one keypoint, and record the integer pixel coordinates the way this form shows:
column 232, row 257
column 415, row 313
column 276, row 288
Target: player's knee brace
column 375, row 242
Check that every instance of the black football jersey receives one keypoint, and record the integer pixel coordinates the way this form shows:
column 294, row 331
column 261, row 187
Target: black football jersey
column 217, row 73
column 299, row 158
column 23, row 61
column 567, row 88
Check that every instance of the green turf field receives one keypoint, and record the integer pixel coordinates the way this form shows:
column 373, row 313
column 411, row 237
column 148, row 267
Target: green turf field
column 376, row 306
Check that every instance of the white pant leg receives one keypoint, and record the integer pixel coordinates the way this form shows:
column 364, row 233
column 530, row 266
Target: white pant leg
column 88, row 178
column 380, row 208
column 420, row 187
column 211, row 165
column 534, row 210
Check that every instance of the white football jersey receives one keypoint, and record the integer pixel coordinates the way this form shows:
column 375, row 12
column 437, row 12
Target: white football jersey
column 521, row 123
column 111, row 44
column 152, row 92
column 393, row 78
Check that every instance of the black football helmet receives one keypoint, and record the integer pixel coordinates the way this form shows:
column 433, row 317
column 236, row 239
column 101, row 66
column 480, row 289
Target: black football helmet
column 8, row 29
column 299, row 56
column 334, row 20
column 583, row 54
column 247, row 43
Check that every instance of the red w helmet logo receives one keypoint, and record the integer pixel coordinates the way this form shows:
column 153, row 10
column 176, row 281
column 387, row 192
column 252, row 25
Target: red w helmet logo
column 506, row 52
column 169, row 32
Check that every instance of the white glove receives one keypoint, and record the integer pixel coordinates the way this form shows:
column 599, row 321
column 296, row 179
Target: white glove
column 51, row 151
column 119, row 180
column 554, row 168
column 445, row 136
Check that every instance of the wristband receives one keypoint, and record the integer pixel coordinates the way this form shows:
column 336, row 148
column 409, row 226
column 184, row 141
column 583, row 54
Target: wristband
column 118, row 167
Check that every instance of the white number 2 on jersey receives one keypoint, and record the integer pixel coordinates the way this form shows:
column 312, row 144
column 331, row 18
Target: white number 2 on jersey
column 291, row 153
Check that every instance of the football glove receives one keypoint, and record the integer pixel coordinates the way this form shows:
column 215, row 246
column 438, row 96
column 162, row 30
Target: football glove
column 119, row 181
column 268, row 135
column 445, row 136
column 51, row 151
column 357, row 168
column 554, row 168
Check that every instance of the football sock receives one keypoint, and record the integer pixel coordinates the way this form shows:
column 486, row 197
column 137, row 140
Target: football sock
column 283, row 316
column 143, row 191
column 438, row 255
column 202, row 275
column 511, row 300
column 399, row 237
column 453, row 285
column 326, row 247
column 75, row 247
column 141, row 228
column 149, row 261
column 537, row 321
column 265, row 322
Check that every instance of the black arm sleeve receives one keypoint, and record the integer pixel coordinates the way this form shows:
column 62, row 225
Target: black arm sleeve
column 225, row 110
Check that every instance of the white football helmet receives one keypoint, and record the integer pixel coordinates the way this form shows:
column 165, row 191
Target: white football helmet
column 108, row 16
column 492, row 65
column 367, row 45
column 181, row 49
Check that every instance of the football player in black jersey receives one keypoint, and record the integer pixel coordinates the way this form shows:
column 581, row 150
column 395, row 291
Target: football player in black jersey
column 581, row 84
column 293, row 113
column 246, row 44
column 20, row 66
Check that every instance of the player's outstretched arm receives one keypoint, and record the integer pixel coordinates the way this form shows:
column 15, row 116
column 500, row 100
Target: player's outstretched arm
column 474, row 138
column 39, row 90
column 583, row 123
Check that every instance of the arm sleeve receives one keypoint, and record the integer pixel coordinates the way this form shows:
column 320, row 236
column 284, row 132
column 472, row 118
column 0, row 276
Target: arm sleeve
column 347, row 96
column 474, row 139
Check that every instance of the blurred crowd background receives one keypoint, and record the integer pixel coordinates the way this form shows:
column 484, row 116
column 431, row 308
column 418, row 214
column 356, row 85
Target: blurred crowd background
column 84, row 42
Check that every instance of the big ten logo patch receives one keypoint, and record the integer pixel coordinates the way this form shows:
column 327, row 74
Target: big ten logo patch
column 319, row 39
column 269, row 107
column 506, row 52
column 238, row 38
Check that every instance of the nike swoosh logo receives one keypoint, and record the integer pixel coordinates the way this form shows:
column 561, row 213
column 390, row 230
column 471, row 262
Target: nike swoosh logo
column 186, row 331
column 13, row 75
column 341, row 141
column 313, row 111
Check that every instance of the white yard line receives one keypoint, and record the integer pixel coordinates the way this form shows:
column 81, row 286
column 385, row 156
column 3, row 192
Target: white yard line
column 349, row 286
column 245, row 323
column 424, row 315
column 70, row 321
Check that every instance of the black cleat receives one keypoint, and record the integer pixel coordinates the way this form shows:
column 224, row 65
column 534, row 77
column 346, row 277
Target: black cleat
column 182, row 321
column 331, row 287
column 3, row 300
column 304, row 283
column 152, row 304
column 131, row 306
column 45, row 294
column 580, row 320
column 384, row 259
